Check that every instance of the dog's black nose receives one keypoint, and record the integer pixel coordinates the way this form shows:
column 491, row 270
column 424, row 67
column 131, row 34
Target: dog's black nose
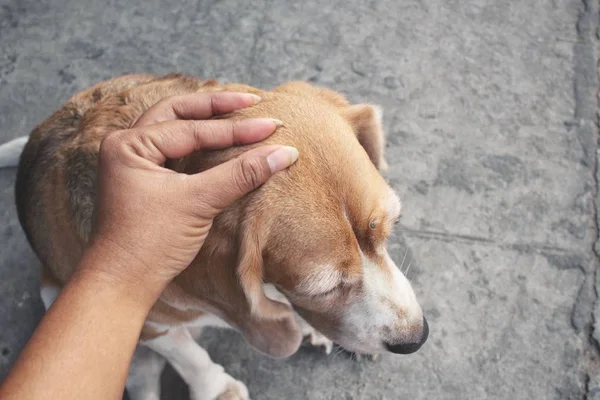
column 408, row 348
column 425, row 333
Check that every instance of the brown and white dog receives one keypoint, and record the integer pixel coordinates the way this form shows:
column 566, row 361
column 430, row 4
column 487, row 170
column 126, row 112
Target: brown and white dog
column 307, row 249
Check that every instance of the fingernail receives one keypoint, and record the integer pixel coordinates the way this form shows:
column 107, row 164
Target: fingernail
column 282, row 158
column 278, row 123
column 255, row 99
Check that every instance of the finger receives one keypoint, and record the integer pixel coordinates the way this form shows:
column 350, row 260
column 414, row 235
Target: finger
column 196, row 106
column 222, row 185
column 175, row 139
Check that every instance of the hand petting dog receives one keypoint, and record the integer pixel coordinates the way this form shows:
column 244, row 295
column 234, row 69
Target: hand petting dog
column 149, row 224
column 134, row 187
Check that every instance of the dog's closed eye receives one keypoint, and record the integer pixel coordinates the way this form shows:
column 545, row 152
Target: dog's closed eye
column 325, row 279
column 328, row 292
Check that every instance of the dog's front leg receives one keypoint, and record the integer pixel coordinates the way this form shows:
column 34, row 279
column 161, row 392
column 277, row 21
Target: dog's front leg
column 314, row 337
column 207, row 380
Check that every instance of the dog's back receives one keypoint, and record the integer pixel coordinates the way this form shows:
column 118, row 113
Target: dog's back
column 315, row 232
column 55, row 186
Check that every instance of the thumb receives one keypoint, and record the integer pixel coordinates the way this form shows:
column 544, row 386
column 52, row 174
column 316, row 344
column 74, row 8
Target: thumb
column 222, row 185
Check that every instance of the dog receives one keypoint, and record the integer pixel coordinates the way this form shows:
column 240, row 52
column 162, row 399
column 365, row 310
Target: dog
column 302, row 256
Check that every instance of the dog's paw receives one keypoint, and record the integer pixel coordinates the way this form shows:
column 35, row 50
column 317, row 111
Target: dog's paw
column 314, row 337
column 218, row 385
column 234, row 391
column 317, row 339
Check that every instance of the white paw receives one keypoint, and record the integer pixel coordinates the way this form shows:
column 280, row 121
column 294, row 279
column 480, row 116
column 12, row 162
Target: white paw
column 219, row 385
column 317, row 339
column 383, row 165
column 234, row 391
column 314, row 337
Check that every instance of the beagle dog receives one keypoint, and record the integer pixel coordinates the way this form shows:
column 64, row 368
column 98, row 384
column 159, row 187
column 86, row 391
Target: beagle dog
column 302, row 256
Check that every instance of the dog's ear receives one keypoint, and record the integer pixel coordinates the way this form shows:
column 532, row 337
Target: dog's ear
column 366, row 120
column 271, row 326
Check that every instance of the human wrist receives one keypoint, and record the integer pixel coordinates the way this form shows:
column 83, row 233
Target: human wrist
column 106, row 264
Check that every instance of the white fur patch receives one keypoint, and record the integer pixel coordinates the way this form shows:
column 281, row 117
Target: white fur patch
column 10, row 152
column 393, row 206
column 322, row 280
column 204, row 321
column 272, row 293
column 209, row 320
column 385, row 312
column 206, row 379
column 49, row 293
column 315, row 338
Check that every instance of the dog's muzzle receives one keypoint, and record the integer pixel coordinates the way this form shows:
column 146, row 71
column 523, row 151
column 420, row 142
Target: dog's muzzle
column 410, row 347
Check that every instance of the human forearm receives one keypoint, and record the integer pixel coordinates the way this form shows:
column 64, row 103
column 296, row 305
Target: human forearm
column 149, row 225
column 85, row 341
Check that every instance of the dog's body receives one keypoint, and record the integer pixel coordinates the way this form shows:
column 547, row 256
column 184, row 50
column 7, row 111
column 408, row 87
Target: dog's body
column 310, row 241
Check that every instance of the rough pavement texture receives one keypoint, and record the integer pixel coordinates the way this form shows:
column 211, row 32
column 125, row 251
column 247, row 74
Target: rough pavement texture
column 491, row 113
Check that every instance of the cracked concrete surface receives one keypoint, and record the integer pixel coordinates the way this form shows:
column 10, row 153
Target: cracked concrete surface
column 491, row 111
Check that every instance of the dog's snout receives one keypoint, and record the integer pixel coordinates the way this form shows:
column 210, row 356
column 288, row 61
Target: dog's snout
column 410, row 347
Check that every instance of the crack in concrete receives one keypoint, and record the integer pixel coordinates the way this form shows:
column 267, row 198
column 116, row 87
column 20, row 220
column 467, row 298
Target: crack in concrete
column 517, row 246
column 254, row 51
column 586, row 91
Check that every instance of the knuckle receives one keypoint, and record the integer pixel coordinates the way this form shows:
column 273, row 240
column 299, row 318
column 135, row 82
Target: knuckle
column 169, row 102
column 111, row 142
column 218, row 102
column 189, row 125
column 203, row 200
column 199, row 130
column 250, row 174
column 170, row 99
column 112, row 148
column 235, row 127
column 159, row 111
column 172, row 104
column 214, row 103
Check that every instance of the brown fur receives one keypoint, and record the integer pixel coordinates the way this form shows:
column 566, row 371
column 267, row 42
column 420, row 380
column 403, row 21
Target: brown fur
column 288, row 226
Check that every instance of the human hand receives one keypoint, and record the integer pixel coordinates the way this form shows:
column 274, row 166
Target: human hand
column 150, row 221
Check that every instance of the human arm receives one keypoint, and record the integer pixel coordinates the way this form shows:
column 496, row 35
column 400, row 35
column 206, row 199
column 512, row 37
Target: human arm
column 150, row 223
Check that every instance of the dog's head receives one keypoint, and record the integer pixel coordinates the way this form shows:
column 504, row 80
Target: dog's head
column 317, row 232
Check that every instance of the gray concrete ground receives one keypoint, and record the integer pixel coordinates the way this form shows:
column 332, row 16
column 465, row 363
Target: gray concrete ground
column 491, row 112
